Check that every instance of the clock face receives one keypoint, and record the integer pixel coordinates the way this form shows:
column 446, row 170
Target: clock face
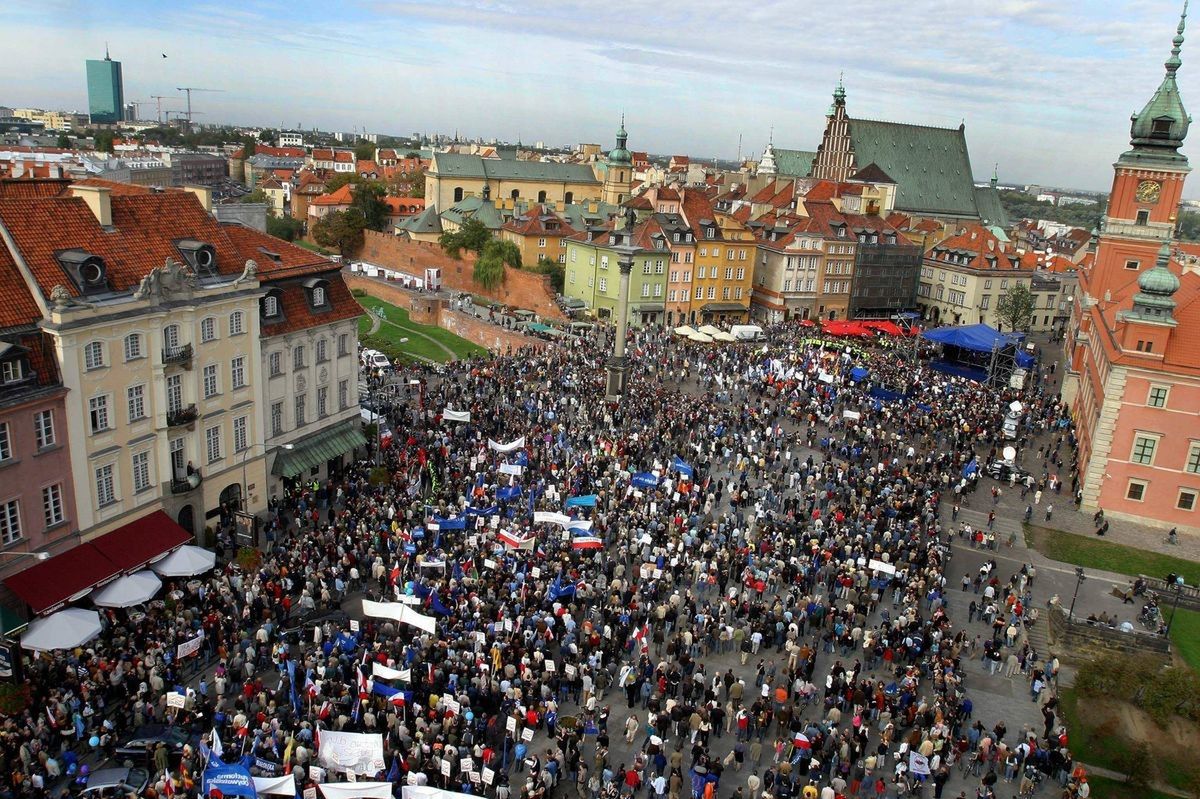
column 1148, row 191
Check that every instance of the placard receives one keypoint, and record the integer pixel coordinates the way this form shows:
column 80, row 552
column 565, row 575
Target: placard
column 508, row 625
column 189, row 647
column 446, row 767
column 310, row 793
column 354, row 625
column 488, row 563
column 489, row 775
column 176, row 699
column 474, row 777
column 527, row 734
column 511, row 724
column 466, row 763
column 550, row 667
column 535, row 572
column 569, row 669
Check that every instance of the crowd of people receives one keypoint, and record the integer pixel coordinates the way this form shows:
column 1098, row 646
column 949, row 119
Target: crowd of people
column 733, row 583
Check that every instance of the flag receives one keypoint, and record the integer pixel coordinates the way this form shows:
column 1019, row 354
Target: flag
column 587, row 542
column 436, row 605
column 218, row 749
column 393, row 774
column 50, row 715
column 801, row 741
column 169, row 785
column 364, row 688
column 394, row 575
column 310, row 687
column 509, row 539
column 640, row 637
column 557, row 590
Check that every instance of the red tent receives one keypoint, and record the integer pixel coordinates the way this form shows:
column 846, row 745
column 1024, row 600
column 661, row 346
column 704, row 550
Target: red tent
column 890, row 328
column 843, row 327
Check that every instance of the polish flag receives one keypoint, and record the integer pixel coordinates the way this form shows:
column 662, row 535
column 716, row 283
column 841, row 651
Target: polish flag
column 801, row 741
column 587, row 542
column 516, row 542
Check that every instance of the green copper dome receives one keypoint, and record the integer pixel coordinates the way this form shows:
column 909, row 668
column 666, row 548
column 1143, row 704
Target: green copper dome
column 1163, row 124
column 1158, row 284
column 621, row 155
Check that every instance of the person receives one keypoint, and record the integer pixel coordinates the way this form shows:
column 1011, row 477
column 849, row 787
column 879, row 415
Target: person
column 1172, row 536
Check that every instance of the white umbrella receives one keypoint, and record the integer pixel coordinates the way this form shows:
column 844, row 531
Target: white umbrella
column 66, row 629
column 133, row 589
column 185, row 562
column 684, row 331
column 709, row 330
column 700, row 338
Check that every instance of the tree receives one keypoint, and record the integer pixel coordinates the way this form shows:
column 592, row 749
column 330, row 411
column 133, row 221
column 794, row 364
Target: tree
column 368, row 200
column 341, row 179
column 256, row 196
column 364, row 151
column 555, row 270
column 342, row 230
column 489, row 269
column 472, row 236
column 1020, row 205
column 103, row 141
column 64, row 141
column 284, row 227
column 1189, row 225
column 269, row 136
column 1015, row 307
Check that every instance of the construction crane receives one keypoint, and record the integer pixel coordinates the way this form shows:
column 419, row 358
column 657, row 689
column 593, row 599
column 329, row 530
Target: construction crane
column 158, row 98
column 189, row 90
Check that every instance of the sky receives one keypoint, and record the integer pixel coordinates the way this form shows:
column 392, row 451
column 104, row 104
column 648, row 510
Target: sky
column 1045, row 87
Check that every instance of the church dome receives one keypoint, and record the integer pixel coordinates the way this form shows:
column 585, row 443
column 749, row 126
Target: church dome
column 1163, row 123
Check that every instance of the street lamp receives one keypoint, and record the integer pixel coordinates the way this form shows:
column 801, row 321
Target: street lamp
column 618, row 365
column 245, row 452
column 34, row 555
column 1079, row 578
column 1177, row 586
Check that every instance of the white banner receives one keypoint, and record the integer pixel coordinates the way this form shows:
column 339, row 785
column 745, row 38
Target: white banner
column 400, row 612
column 551, row 517
column 189, row 647
column 855, row 415
column 176, row 699
column 284, row 785
column 918, row 763
column 515, row 469
column 354, row 790
column 357, row 753
column 384, row 673
column 429, row 792
column 881, row 566
column 509, row 447
column 456, row 416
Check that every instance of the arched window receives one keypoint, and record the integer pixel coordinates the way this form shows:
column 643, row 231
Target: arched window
column 318, row 296
column 458, row 193
column 133, row 346
column 93, row 355
column 516, row 194
column 541, row 196
column 569, row 197
column 237, row 323
column 270, row 305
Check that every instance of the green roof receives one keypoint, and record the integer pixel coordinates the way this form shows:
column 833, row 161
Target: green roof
column 991, row 210
column 316, row 449
column 472, row 166
column 427, row 221
column 794, row 163
column 475, row 207
column 930, row 165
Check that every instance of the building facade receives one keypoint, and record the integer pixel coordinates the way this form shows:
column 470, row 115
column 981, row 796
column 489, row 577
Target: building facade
column 106, row 91
column 451, row 177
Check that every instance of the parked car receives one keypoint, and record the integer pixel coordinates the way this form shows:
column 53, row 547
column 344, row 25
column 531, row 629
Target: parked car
column 140, row 747
column 112, row 783
column 1003, row 470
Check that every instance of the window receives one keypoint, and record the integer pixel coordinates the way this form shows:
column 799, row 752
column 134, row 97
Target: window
column 741, row 273
column 11, row 370
column 716, row 254
column 542, row 243
column 343, row 345
column 687, row 276
column 725, row 293
column 240, row 439
column 93, row 355
column 106, row 488
column 657, row 289
column 787, row 285
column 275, row 364
column 671, row 295
column 237, row 323
column 1158, row 396
column 1132, row 265
column 318, row 296
column 603, row 285
column 604, row 262
column 174, row 394
column 1143, row 217
column 591, row 281
column 98, row 413
column 659, row 267
column 987, row 285
column 737, row 293
column 141, row 471
column 212, row 443
column 562, row 257
column 985, row 302
column 238, row 371
column 574, row 255
column 712, row 292
column 645, row 289
column 135, row 400
column 6, row 450
column 322, row 355
column 343, row 394
column 1193, row 459
column 178, row 461
column 210, row 381
column 1187, row 499
column 208, row 329
column 270, row 305
column 43, row 428
column 729, row 274
column 322, row 402
column 1136, row 491
column 133, row 346
column 298, row 357
column 647, row 267
column 1143, row 450
column 52, row 504
column 300, row 402
column 276, row 418
column 171, row 337
column 10, row 522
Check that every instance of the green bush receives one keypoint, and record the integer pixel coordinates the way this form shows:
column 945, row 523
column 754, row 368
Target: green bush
column 1162, row 692
column 358, row 292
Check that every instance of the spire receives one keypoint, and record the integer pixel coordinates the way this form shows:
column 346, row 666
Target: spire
column 1155, row 299
column 621, row 154
column 1174, row 62
column 995, row 174
column 1161, row 126
column 839, row 94
column 106, row 56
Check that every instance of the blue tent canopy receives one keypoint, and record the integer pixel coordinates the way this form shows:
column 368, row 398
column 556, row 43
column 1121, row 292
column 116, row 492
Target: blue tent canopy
column 584, row 501
column 858, row 373
column 977, row 338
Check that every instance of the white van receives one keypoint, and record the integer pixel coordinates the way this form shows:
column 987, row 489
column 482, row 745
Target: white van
column 746, row 332
column 374, row 359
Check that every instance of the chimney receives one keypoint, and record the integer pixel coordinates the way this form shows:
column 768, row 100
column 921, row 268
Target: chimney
column 204, row 195
column 98, row 199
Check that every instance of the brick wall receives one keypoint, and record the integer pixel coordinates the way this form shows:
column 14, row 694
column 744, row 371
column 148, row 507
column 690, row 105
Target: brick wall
column 427, row 310
column 520, row 288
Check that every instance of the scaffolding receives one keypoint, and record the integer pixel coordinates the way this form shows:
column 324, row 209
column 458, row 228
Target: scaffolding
column 1001, row 365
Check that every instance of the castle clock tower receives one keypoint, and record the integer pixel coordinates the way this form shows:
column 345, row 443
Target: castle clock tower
column 618, row 176
column 1147, row 185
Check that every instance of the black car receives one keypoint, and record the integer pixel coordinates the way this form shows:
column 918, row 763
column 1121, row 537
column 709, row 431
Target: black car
column 1003, row 470
column 140, row 747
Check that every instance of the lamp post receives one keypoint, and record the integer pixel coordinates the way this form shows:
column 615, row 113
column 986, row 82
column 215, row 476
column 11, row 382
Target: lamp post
column 1079, row 578
column 1177, row 587
column 245, row 453
column 34, row 555
column 618, row 364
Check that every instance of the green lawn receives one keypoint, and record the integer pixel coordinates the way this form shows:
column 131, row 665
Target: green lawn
column 1185, row 635
column 387, row 339
column 1092, row 553
column 1106, row 788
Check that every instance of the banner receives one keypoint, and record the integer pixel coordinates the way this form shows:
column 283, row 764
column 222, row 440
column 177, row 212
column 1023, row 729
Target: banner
column 230, row 780
column 682, row 466
column 453, row 523
column 585, row 501
column 355, row 753
column 644, row 480
column 512, row 468
column 397, row 611
column 456, row 416
column 189, row 647
column 284, row 785
column 918, row 763
column 509, row 447
column 429, row 792
column 551, row 517
column 354, row 790
column 384, row 673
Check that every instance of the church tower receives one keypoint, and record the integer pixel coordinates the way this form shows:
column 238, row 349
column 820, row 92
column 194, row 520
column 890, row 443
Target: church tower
column 618, row 174
column 1147, row 185
column 835, row 155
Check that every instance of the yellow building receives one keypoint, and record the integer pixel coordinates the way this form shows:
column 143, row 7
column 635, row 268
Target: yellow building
column 538, row 233
column 452, row 177
column 724, row 268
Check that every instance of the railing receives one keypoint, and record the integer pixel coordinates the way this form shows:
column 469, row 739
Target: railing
column 182, row 416
column 177, row 355
column 186, row 484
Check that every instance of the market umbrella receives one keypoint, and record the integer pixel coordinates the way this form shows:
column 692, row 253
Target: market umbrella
column 130, row 590
column 66, row 629
column 185, row 562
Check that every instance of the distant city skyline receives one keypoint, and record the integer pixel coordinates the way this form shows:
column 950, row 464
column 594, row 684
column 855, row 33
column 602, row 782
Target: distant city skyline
column 1045, row 89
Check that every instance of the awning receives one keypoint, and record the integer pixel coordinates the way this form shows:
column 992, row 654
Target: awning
column 722, row 307
column 648, row 307
column 52, row 583
column 324, row 446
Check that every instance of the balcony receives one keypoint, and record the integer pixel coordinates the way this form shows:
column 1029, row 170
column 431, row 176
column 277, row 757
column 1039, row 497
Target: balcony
column 186, row 484
column 178, row 356
column 183, row 416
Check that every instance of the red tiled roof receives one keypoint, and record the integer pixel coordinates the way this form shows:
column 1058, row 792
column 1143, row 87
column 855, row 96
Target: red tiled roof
column 366, row 166
column 293, row 259
column 33, row 187
column 533, row 223
column 264, row 149
column 121, row 189
column 19, row 307
column 974, row 239
column 145, row 228
column 404, row 206
column 298, row 316
column 340, row 196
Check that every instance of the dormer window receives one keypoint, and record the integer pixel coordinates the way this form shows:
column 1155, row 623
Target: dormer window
column 12, row 370
column 270, row 306
column 1160, row 128
column 318, row 293
column 200, row 256
column 86, row 270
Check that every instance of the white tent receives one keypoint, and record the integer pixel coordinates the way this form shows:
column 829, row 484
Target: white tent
column 684, row 331
column 721, row 335
column 66, row 629
column 130, row 590
column 710, row 330
column 700, row 338
column 185, row 562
